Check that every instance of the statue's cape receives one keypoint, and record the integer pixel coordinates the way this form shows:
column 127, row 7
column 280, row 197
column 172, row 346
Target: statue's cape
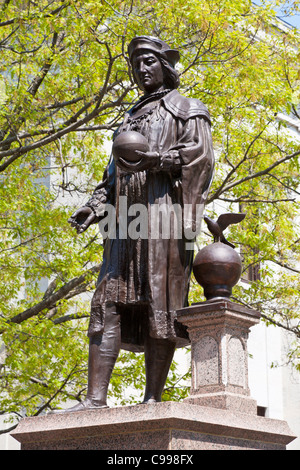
column 197, row 156
column 185, row 108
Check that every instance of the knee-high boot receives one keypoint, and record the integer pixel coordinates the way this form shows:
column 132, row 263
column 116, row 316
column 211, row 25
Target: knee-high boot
column 103, row 353
column 158, row 358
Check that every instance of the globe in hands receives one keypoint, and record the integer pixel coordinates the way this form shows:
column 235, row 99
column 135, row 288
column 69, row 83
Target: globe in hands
column 127, row 143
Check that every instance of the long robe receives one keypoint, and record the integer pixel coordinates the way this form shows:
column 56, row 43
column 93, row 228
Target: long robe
column 148, row 277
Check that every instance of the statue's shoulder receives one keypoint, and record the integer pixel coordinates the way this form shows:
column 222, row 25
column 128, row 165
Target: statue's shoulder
column 185, row 108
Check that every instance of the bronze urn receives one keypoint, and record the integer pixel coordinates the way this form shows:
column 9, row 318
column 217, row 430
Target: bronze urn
column 218, row 267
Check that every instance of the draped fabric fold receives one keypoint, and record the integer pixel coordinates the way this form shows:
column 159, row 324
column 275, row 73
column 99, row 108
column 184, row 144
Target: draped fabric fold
column 148, row 276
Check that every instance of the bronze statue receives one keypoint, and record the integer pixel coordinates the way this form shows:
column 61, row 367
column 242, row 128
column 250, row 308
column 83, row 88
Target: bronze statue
column 144, row 280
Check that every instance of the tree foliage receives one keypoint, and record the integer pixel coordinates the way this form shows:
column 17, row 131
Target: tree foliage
column 64, row 87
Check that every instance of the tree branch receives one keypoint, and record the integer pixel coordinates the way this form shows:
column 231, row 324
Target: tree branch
column 64, row 383
column 254, row 201
column 66, row 318
column 270, row 319
column 8, row 430
column 255, row 175
column 235, row 168
column 50, row 300
column 17, row 153
column 33, row 16
column 38, row 80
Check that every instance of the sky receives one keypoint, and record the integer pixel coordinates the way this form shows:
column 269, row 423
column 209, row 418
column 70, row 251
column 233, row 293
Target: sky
column 292, row 20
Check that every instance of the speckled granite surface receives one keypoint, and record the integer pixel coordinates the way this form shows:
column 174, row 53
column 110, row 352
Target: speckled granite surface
column 219, row 414
column 159, row 426
column 219, row 332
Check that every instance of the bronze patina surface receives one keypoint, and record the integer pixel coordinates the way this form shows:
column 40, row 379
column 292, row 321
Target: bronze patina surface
column 145, row 280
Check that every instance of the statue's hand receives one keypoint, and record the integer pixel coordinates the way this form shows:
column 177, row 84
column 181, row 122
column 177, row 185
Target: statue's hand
column 82, row 219
column 148, row 160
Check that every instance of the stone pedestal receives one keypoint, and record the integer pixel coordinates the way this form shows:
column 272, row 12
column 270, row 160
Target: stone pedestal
column 218, row 332
column 218, row 415
column 166, row 426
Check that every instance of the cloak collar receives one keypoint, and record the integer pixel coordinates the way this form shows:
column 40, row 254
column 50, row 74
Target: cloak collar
column 185, row 108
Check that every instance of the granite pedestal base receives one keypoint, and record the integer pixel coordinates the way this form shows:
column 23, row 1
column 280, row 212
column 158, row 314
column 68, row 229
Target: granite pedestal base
column 219, row 332
column 160, row 426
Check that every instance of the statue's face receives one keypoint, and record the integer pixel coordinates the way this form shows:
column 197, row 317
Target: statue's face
column 148, row 72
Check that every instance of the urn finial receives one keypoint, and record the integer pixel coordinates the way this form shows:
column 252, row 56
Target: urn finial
column 218, row 267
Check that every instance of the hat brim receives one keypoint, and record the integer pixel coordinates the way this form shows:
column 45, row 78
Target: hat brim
column 142, row 44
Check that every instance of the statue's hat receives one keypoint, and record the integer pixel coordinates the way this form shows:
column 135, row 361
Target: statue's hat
column 149, row 43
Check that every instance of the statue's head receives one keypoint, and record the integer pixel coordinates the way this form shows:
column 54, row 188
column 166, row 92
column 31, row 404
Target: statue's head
column 153, row 63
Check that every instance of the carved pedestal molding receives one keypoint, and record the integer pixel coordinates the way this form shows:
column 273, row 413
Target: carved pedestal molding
column 219, row 332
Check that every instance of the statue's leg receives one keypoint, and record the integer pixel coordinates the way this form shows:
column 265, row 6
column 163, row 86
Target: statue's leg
column 103, row 353
column 158, row 358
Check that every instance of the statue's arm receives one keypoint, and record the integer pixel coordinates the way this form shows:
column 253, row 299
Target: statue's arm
column 95, row 207
column 100, row 196
column 194, row 145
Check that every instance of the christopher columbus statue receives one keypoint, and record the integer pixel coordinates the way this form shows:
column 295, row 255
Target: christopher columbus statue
column 144, row 280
